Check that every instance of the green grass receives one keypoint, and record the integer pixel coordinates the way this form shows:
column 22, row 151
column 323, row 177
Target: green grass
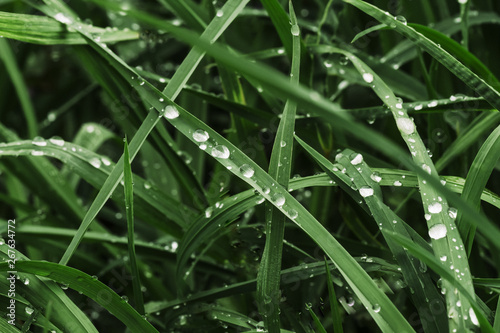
column 244, row 166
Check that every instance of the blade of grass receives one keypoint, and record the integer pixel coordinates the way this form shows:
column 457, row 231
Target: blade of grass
column 316, row 320
column 334, row 306
column 129, row 206
column 8, row 58
column 268, row 278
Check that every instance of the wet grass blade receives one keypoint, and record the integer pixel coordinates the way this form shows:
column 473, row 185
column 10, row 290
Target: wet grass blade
column 129, row 207
column 90, row 287
column 268, row 279
column 334, row 305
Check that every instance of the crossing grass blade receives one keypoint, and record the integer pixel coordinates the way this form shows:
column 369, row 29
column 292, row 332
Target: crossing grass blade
column 268, row 279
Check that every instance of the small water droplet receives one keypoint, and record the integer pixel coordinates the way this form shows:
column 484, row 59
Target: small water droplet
column 293, row 214
column 356, row 159
column 39, row 141
column 452, row 212
column 57, row 141
column 295, row 30
column 397, row 183
column 96, row 163
column 443, row 258
column 427, row 168
column 401, row 19
column 208, row 212
column 37, row 153
column 282, row 144
column 278, row 199
column 405, row 125
column 219, row 13
column 368, row 77
column 28, row 310
column 376, row 308
column 435, row 208
column 376, row 177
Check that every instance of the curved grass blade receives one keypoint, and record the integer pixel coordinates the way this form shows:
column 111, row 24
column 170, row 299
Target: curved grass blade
column 475, row 183
column 129, row 207
column 47, row 31
column 268, row 278
column 475, row 82
column 90, row 287
column 213, row 31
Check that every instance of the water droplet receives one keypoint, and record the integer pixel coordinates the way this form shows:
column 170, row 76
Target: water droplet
column 63, row 18
column 295, row 30
column 26, row 282
column 443, row 258
column 208, row 212
column 124, row 299
column 427, row 168
column 437, row 231
column 463, row 2
column 170, row 112
column 376, row 177
column 200, row 135
column 247, row 171
column 401, row 19
column 278, row 199
column 282, row 144
column 435, row 208
column 266, row 190
column 28, row 310
column 397, row 183
column 96, row 163
column 219, row 13
column 56, row 141
column 37, row 153
column 376, row 308
column 38, row 141
column 452, row 212
column 368, row 77
column 220, row 151
column 293, row 214
column 356, row 159
column 344, row 60
column 405, row 125
column 366, row 191
column 64, row 286
column 473, row 317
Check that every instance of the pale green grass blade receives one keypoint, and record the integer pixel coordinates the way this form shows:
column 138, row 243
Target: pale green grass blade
column 446, row 240
column 9, row 61
column 334, row 305
column 268, row 278
column 47, row 31
column 479, row 173
column 474, row 312
column 475, row 82
column 129, row 207
column 90, row 287
column 214, row 30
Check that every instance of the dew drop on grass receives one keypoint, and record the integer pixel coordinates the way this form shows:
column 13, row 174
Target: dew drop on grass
column 473, row 317
column 39, row 141
column 368, row 77
column 356, row 159
column 278, row 199
column 57, row 141
column 376, row 308
column 376, row 177
column 208, row 212
column 437, row 231
column 452, row 212
column 96, row 163
column 401, row 19
column 220, row 151
column 37, row 153
column 462, row 2
column 443, row 258
column 247, row 171
column 366, row 191
column 200, row 135
column 28, row 310
column 170, row 112
column 63, row 18
column 295, row 30
column 435, row 208
column 219, row 13
column 283, row 144
column 427, row 168
column 293, row 214
column 124, row 299
column 266, row 190
column 397, row 183
column 405, row 125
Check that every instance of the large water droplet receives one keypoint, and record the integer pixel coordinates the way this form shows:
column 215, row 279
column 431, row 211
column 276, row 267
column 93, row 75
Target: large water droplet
column 368, row 77
column 28, row 310
column 405, row 125
column 376, row 308
column 219, row 13
column 356, row 159
column 220, row 151
column 295, row 30
column 247, row 171
column 437, row 231
column 57, row 141
column 435, row 208
column 39, row 141
column 170, row 112
column 96, row 163
column 427, row 168
column 200, row 135
column 473, row 317
column 278, row 199
column 452, row 212
column 366, row 191
column 376, row 177
column 401, row 19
